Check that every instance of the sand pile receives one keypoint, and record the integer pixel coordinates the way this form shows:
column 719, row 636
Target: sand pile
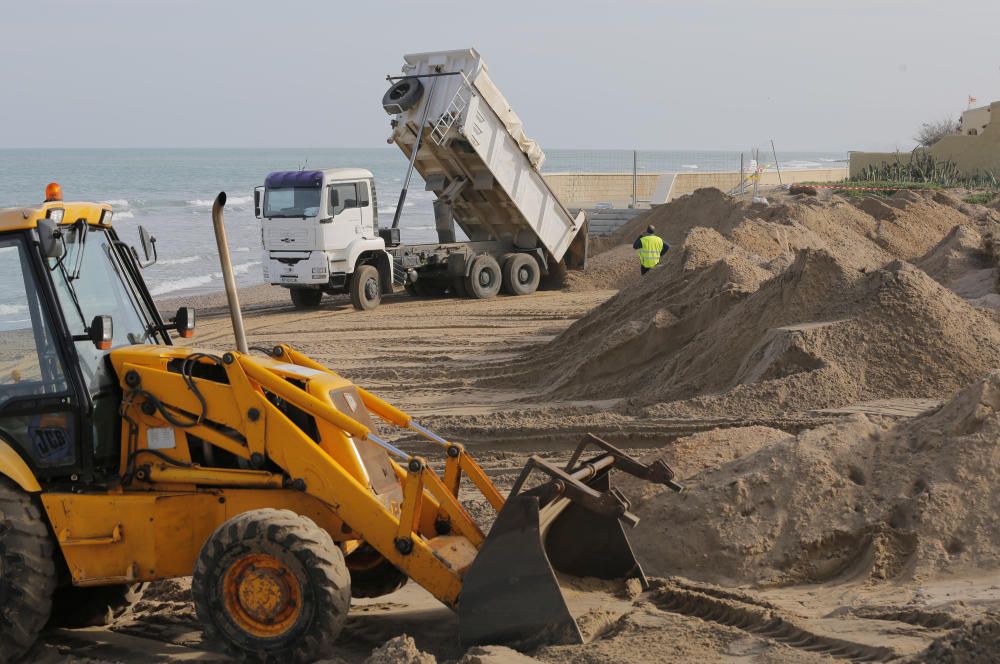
column 768, row 310
column 977, row 643
column 965, row 263
column 903, row 226
column 718, row 333
column 866, row 235
column 708, row 208
column 613, row 269
column 400, row 650
column 864, row 497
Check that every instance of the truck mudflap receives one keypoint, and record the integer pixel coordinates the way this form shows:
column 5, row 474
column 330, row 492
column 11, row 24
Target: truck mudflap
column 570, row 525
column 579, row 249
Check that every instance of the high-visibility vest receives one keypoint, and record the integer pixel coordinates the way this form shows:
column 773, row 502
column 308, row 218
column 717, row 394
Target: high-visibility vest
column 649, row 254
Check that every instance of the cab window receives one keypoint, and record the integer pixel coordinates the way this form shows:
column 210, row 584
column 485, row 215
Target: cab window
column 344, row 196
column 29, row 357
column 89, row 282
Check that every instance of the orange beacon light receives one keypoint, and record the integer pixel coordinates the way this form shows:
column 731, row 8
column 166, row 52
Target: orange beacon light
column 53, row 192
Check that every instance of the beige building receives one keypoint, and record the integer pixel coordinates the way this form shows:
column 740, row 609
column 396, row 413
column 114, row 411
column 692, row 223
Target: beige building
column 976, row 149
column 974, row 120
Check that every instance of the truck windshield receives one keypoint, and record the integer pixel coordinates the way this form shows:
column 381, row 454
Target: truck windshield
column 290, row 202
column 90, row 281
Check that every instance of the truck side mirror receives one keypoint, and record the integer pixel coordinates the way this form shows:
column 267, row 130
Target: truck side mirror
column 185, row 320
column 148, row 243
column 50, row 239
column 101, row 332
column 257, row 195
column 334, row 202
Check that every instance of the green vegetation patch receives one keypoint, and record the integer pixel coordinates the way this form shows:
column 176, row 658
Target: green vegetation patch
column 981, row 198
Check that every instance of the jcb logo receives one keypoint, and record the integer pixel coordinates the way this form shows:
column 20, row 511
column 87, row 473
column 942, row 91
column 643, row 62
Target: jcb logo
column 49, row 443
column 52, row 439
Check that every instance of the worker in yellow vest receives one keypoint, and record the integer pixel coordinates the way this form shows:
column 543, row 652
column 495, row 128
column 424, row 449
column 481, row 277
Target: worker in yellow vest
column 650, row 247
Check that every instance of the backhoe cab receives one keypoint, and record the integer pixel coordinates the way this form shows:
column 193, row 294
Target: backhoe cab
column 124, row 458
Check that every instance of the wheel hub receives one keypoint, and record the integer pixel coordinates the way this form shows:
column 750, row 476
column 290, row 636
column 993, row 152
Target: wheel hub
column 371, row 289
column 485, row 278
column 523, row 275
column 262, row 595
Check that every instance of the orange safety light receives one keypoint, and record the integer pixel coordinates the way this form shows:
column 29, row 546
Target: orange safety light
column 53, row 192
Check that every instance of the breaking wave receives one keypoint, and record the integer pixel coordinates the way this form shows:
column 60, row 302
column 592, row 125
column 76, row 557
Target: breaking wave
column 197, row 281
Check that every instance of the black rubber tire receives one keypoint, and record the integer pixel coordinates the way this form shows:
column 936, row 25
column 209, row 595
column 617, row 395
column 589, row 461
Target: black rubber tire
column 27, row 571
column 92, row 607
column 372, row 575
column 306, row 298
column 484, row 278
column 402, row 96
column 411, row 289
column 308, row 552
column 366, row 289
column 521, row 275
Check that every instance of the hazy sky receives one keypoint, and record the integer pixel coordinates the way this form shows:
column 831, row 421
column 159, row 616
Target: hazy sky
column 838, row 75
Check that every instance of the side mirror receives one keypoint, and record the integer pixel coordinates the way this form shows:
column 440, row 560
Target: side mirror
column 101, row 332
column 50, row 239
column 148, row 243
column 257, row 196
column 185, row 321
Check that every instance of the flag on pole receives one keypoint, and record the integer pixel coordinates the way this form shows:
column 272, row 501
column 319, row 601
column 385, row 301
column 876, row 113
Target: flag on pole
column 972, row 100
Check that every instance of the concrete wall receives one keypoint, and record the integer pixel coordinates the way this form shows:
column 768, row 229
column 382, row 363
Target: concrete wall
column 587, row 190
column 859, row 161
column 971, row 154
column 687, row 183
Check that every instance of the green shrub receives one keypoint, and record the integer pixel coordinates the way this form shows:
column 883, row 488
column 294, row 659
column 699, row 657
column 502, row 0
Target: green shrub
column 981, row 198
column 923, row 167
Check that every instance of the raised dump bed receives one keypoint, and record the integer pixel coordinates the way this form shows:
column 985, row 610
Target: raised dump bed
column 474, row 155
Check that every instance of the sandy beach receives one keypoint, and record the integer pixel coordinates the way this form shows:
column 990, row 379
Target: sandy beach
column 818, row 371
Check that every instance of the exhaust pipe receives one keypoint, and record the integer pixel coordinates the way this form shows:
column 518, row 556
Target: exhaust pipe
column 227, row 273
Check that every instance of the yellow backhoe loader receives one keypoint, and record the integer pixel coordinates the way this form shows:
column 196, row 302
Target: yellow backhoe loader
column 125, row 458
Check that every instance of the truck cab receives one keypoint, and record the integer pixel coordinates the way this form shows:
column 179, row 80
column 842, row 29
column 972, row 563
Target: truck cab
column 320, row 234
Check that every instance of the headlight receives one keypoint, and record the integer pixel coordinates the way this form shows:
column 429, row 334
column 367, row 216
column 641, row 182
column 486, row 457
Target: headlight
column 56, row 214
column 106, row 217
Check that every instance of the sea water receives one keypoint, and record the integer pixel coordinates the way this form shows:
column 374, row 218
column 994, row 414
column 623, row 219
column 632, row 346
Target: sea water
column 170, row 192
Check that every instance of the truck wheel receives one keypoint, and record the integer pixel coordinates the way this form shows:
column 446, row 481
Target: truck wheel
column 366, row 291
column 521, row 275
column 27, row 571
column 272, row 587
column 306, row 298
column 372, row 575
column 92, row 607
column 402, row 96
column 484, row 279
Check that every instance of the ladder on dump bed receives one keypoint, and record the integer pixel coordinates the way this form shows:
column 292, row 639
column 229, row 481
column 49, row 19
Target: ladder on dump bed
column 454, row 111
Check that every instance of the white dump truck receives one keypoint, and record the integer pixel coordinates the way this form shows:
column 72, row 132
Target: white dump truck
column 321, row 230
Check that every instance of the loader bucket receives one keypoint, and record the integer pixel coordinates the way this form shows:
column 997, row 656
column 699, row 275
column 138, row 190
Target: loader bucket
column 570, row 526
